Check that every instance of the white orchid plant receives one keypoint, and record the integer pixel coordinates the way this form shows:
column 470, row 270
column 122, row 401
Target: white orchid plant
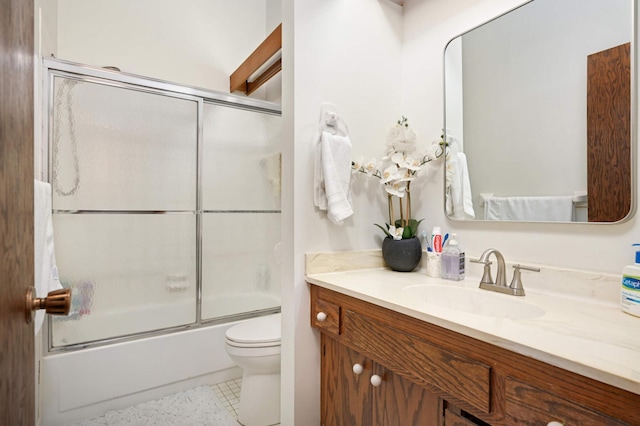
column 396, row 171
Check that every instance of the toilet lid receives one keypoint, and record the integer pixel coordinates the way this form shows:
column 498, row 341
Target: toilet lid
column 257, row 330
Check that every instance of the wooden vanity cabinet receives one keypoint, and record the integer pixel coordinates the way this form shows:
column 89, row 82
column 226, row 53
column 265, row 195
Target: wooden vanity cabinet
column 349, row 397
column 434, row 376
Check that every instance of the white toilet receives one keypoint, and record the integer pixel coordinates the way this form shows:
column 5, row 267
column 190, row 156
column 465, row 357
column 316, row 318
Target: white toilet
column 255, row 346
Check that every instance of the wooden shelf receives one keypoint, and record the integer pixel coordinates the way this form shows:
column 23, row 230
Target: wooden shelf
column 265, row 56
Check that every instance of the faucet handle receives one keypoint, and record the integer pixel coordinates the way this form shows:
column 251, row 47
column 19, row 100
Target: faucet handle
column 526, row 268
column 486, row 276
column 516, row 282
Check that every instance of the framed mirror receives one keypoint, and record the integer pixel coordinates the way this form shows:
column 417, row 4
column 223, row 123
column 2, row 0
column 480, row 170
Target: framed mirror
column 539, row 113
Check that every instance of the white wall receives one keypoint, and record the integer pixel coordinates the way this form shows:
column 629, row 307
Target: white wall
column 273, row 88
column 347, row 53
column 428, row 26
column 197, row 43
column 46, row 45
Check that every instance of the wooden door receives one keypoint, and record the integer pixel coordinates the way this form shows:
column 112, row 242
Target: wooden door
column 609, row 134
column 17, row 388
column 345, row 396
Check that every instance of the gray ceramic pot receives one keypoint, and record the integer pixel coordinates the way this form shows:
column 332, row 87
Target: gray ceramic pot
column 402, row 255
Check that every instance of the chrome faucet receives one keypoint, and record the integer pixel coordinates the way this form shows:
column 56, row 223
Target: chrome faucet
column 500, row 285
column 501, row 278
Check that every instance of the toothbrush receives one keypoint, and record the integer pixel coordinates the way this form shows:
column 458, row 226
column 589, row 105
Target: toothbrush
column 426, row 240
column 444, row 240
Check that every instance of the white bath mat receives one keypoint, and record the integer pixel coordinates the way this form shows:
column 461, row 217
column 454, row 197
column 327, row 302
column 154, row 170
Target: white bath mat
column 195, row 407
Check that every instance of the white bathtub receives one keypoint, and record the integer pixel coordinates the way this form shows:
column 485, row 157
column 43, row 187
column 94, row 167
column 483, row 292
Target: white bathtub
column 85, row 384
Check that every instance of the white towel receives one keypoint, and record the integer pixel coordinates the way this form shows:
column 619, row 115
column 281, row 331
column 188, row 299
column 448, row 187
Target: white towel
column 46, row 271
column 554, row 208
column 459, row 203
column 333, row 176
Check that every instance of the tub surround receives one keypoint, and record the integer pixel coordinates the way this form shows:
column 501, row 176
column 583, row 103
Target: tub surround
column 582, row 329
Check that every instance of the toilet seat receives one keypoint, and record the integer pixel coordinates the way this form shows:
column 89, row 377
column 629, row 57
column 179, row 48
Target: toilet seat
column 255, row 333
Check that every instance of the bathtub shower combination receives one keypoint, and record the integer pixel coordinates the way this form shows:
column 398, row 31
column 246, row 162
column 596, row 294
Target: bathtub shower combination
column 166, row 210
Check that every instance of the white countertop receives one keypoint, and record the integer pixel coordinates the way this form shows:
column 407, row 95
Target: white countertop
column 584, row 335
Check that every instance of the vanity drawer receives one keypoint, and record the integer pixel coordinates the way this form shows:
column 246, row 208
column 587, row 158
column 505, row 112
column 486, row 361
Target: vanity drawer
column 454, row 419
column 325, row 315
column 420, row 361
column 527, row 405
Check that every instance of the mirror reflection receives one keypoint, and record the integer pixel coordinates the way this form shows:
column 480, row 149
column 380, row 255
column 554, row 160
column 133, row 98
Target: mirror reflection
column 538, row 114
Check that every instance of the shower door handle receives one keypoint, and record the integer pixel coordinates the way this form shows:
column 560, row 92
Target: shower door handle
column 57, row 302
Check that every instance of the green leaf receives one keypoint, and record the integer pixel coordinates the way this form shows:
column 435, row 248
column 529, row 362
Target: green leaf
column 412, row 228
column 415, row 224
column 384, row 230
column 406, row 233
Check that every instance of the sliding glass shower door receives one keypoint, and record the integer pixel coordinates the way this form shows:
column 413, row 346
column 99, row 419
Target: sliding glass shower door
column 241, row 211
column 166, row 207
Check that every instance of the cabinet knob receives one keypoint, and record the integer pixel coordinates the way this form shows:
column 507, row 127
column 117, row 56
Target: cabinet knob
column 376, row 380
column 357, row 368
column 555, row 423
column 322, row 317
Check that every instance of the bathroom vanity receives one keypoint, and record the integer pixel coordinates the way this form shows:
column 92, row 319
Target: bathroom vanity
column 389, row 359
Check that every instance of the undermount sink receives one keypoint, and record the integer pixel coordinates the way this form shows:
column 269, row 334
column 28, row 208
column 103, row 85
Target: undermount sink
column 473, row 301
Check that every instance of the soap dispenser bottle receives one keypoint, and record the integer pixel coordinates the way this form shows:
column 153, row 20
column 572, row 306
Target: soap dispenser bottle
column 453, row 261
column 630, row 289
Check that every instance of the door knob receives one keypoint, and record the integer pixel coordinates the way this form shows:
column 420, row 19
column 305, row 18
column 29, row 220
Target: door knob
column 57, row 302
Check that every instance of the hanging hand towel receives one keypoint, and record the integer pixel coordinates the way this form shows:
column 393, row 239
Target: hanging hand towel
column 46, row 272
column 333, row 176
column 319, row 194
column 459, row 204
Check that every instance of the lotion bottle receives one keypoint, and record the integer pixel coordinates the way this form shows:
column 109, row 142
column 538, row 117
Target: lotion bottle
column 453, row 261
column 630, row 289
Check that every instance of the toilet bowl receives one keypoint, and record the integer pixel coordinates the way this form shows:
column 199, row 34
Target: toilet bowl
column 255, row 346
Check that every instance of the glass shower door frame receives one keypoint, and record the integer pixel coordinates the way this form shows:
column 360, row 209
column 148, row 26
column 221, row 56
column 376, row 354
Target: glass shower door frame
column 55, row 68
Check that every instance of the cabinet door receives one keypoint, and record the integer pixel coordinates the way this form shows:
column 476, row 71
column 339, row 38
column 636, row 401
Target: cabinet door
column 399, row 402
column 349, row 398
column 345, row 396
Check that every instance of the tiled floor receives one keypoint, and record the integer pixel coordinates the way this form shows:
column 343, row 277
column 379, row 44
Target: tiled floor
column 229, row 394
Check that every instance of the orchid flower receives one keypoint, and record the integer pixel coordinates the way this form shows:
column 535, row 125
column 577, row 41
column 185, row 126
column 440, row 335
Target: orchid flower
column 398, row 168
column 397, row 189
column 370, row 167
column 390, row 174
column 396, row 233
column 356, row 165
column 406, row 161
